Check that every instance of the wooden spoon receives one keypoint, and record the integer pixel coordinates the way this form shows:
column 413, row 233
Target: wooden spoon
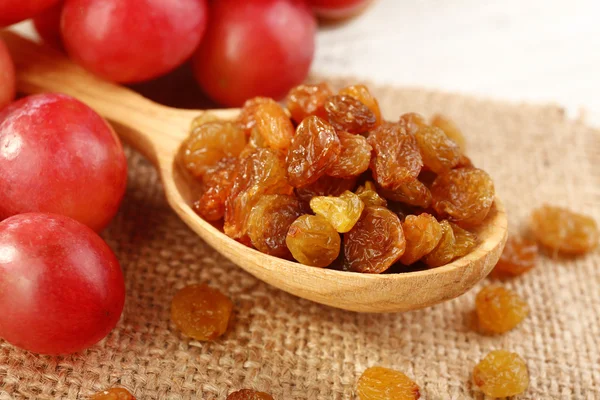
column 157, row 131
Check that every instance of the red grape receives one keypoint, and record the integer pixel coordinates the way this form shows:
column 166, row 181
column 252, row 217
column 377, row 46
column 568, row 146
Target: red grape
column 13, row 11
column 47, row 25
column 132, row 40
column 57, row 155
column 255, row 48
column 7, row 77
column 337, row 9
column 61, row 287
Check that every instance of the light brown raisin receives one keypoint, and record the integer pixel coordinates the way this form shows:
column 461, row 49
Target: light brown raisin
column 375, row 242
column 113, row 394
column 565, row 231
column 274, row 125
column 501, row 374
column 464, row 162
column 396, row 158
column 519, row 256
column 209, row 143
column 354, row 158
column 465, row 241
column 378, row 383
column 341, row 211
column 362, row 94
column 306, row 100
column 368, row 194
column 202, row 119
column 443, row 253
column 313, row 241
column 269, row 221
column 217, row 183
column 412, row 122
column 413, row 193
column 201, row 312
column 439, row 152
column 422, row 232
column 348, row 114
column 463, row 195
column 249, row 394
column 313, row 150
column 325, row 186
column 450, row 129
column 247, row 118
column 262, row 172
column 499, row 309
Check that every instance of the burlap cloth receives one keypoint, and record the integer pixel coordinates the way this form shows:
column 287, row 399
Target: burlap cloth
column 296, row 349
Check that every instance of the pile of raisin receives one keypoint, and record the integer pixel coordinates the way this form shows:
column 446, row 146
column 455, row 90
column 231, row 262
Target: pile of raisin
column 326, row 181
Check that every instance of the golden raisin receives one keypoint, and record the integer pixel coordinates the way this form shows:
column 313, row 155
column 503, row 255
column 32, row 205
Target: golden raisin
column 501, row 374
column 354, row 158
column 368, row 194
column 563, row 230
column 313, row 241
column 325, row 186
column 378, row 383
column 202, row 119
column 499, row 310
column 422, row 232
column 413, row 193
column 362, row 94
column 210, row 143
column 348, row 114
column 375, row 242
column 269, row 221
column 464, row 195
column 306, row 100
column 113, row 394
column 465, row 241
column 217, row 183
column 450, row 129
column 412, row 122
column 464, row 162
column 274, row 125
column 201, row 312
column 262, row 172
column 341, row 211
column 439, row 152
column 396, row 158
column 519, row 256
column 443, row 253
column 314, row 149
column 247, row 118
column 249, row 394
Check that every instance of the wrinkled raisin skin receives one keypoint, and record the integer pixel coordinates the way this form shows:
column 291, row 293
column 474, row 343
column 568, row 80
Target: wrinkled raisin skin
column 376, row 241
column 443, row 253
column 348, row 114
column 362, row 93
column 306, row 100
column 519, row 256
column 450, row 129
column 422, row 232
column 247, row 118
column 314, row 149
column 501, row 374
column 439, row 152
column 499, row 310
column 354, row 158
column 341, row 211
column 378, row 383
column 325, row 186
column 369, row 195
column 313, row 241
column 465, row 241
column 217, row 183
column 413, row 193
column 274, row 126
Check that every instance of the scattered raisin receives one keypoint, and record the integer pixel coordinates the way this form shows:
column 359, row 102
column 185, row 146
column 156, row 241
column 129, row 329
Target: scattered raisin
column 439, row 153
column 217, row 183
column 348, row 114
column 396, row 158
column 565, row 231
column 354, row 157
column 247, row 118
column 249, row 394
column 465, row 241
column 499, row 310
column 201, row 312
column 362, row 94
column 210, row 143
column 314, row 149
column 375, row 242
column 341, row 211
column 325, row 186
column 113, row 394
column 378, row 383
column 450, row 129
column 443, row 253
column 269, row 221
column 306, row 100
column 519, row 256
column 413, row 193
column 262, row 172
column 422, row 232
column 368, row 194
column 313, row 241
column 274, row 125
column 464, row 195
column 501, row 374
column 412, row 122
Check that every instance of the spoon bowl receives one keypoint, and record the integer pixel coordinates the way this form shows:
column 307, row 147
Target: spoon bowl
column 157, row 132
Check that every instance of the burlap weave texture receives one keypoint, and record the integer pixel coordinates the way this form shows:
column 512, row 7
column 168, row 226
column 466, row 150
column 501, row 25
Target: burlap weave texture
column 296, row 349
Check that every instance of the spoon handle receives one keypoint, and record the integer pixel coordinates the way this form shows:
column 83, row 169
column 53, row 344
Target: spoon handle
column 145, row 125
